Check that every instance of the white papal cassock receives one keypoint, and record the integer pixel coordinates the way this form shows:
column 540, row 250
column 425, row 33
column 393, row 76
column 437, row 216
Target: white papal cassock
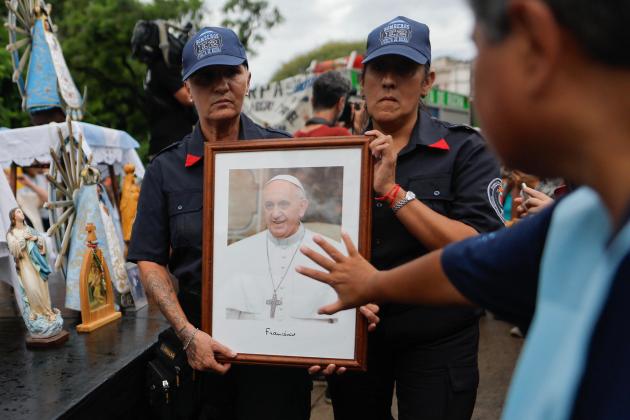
column 249, row 288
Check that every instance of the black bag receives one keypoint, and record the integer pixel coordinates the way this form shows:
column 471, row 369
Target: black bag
column 171, row 383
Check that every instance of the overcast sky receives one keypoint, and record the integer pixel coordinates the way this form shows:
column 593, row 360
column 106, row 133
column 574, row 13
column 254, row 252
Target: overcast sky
column 311, row 23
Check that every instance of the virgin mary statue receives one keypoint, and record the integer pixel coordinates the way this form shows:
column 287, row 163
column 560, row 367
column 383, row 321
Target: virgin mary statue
column 28, row 248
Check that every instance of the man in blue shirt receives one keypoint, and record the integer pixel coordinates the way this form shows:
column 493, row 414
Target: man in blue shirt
column 552, row 86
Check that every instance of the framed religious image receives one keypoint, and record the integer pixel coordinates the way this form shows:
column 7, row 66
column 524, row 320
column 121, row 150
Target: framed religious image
column 263, row 200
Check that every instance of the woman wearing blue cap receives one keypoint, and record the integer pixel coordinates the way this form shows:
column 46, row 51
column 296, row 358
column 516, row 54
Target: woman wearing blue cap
column 167, row 231
column 433, row 183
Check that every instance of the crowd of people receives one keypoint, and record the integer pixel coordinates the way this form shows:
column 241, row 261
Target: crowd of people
column 440, row 252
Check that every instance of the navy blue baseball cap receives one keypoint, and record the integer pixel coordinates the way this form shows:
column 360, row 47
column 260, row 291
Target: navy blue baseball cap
column 212, row 46
column 400, row 36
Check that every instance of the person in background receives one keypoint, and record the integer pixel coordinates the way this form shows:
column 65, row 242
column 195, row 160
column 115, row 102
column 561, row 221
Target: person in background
column 168, row 107
column 511, row 189
column 329, row 99
column 31, row 195
column 525, row 194
column 533, row 201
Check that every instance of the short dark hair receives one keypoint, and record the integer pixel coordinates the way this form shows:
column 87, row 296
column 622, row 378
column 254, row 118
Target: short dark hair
column 329, row 88
column 600, row 27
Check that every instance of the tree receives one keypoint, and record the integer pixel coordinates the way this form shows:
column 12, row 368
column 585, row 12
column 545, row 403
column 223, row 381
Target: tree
column 95, row 37
column 328, row 51
column 249, row 18
column 11, row 114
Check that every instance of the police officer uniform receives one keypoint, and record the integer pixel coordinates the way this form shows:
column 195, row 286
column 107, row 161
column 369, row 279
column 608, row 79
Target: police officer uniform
column 429, row 353
column 168, row 231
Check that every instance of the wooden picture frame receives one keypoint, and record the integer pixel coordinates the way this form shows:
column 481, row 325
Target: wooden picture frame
column 95, row 311
column 265, row 158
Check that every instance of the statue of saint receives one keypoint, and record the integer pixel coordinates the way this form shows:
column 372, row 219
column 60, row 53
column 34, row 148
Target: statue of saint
column 129, row 200
column 28, row 248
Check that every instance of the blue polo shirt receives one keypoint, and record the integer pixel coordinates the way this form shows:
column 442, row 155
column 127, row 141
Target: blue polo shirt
column 499, row 271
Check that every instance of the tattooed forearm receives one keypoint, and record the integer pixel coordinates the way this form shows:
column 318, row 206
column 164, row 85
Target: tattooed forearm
column 157, row 283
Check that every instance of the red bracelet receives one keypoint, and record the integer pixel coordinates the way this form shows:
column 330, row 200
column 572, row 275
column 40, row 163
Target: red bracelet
column 384, row 197
column 390, row 196
column 392, row 200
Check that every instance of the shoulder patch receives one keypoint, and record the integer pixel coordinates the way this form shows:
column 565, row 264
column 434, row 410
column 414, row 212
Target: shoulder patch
column 167, row 148
column 275, row 131
column 451, row 130
column 464, row 127
column 495, row 193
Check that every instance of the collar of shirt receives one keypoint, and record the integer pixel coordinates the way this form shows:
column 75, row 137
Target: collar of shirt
column 427, row 132
column 194, row 144
column 291, row 240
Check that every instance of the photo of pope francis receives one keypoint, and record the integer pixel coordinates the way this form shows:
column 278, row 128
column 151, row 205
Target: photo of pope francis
column 262, row 282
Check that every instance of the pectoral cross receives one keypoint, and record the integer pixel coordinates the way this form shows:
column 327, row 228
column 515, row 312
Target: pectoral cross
column 274, row 302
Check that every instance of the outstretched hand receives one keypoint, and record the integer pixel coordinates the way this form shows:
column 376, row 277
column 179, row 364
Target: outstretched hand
column 351, row 276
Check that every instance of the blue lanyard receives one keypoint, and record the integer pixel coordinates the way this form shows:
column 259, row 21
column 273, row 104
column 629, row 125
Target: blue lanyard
column 576, row 274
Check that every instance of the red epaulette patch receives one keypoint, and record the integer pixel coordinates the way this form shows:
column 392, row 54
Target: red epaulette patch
column 191, row 159
column 440, row 144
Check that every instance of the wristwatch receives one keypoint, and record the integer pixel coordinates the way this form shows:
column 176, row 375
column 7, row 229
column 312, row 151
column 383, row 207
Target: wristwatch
column 400, row 203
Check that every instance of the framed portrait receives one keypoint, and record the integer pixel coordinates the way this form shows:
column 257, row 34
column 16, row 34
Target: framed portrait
column 263, row 201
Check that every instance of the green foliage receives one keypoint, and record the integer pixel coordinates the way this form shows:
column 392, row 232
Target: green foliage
column 96, row 39
column 248, row 18
column 328, row 51
column 11, row 114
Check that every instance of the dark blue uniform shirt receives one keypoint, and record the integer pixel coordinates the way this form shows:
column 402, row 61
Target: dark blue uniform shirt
column 499, row 271
column 451, row 170
column 168, row 225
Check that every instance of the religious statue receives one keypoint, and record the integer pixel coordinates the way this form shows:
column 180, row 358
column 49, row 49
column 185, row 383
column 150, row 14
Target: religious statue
column 97, row 296
column 129, row 200
column 267, row 287
column 115, row 247
column 28, row 248
column 96, row 286
column 93, row 206
column 40, row 70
